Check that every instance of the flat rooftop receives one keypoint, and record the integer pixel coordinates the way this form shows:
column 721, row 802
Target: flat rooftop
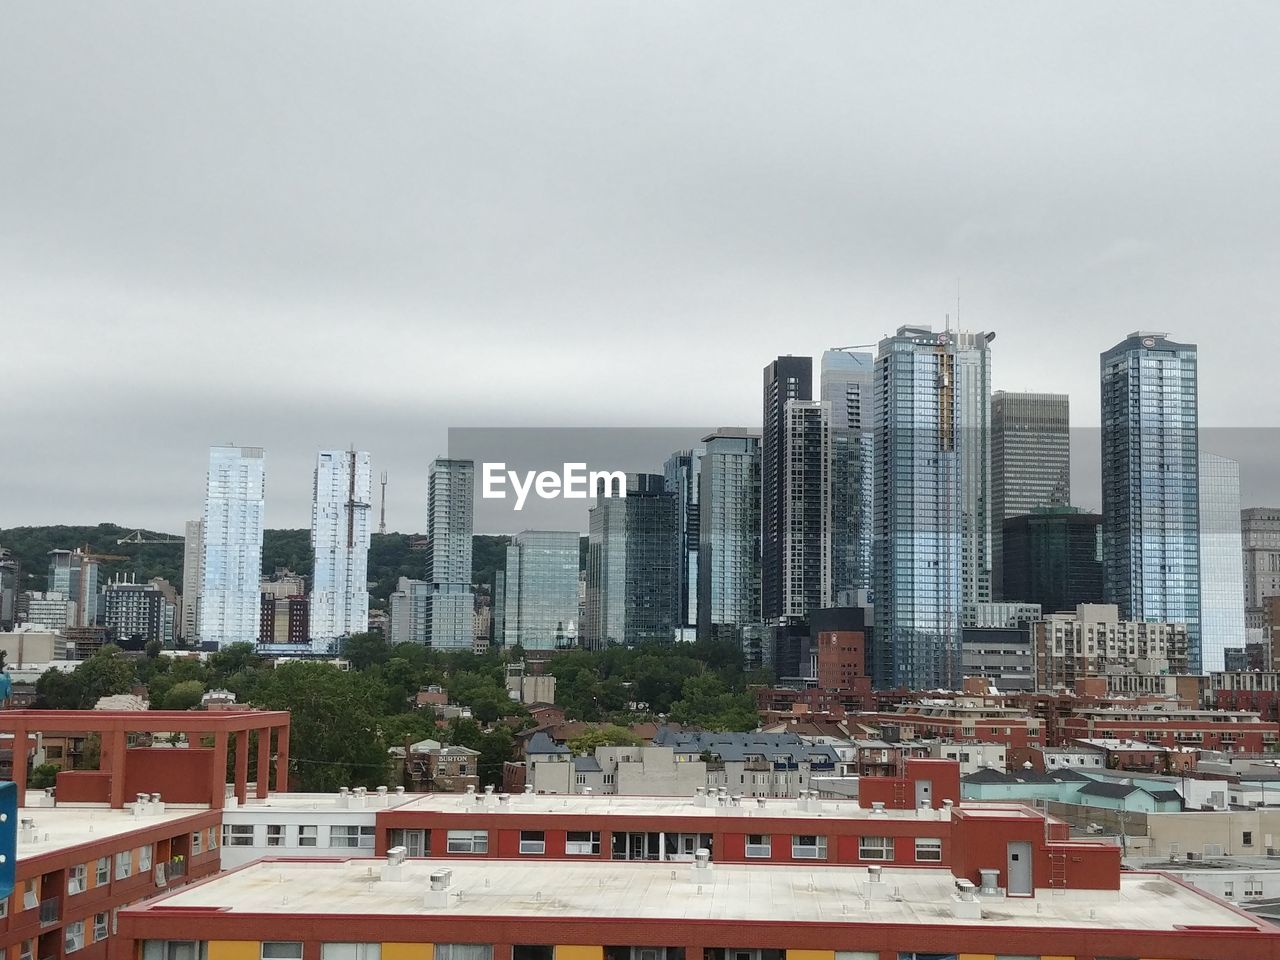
column 65, row 826
column 629, row 806
column 657, row 891
column 300, row 802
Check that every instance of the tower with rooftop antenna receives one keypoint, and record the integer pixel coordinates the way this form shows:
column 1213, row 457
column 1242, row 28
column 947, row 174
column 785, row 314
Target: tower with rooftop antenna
column 382, row 518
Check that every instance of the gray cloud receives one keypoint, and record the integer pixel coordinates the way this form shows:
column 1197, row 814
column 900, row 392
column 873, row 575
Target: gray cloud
column 305, row 224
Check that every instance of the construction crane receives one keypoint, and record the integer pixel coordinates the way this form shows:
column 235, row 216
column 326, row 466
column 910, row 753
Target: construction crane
column 853, row 346
column 86, row 553
column 139, row 537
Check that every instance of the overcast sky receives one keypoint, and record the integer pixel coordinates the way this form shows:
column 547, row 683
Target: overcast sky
column 302, row 225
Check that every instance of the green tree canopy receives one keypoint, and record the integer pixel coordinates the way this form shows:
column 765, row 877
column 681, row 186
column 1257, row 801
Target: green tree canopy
column 607, row 736
column 185, row 695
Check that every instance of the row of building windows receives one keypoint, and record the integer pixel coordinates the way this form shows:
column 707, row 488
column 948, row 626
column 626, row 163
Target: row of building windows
column 352, row 836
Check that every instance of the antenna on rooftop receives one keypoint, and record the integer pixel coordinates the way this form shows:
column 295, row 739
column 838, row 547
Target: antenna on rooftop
column 382, row 521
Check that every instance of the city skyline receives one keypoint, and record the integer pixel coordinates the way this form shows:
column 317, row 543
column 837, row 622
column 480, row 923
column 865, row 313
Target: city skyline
column 490, row 233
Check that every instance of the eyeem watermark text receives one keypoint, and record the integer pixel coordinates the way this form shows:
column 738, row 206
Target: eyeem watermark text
column 573, row 482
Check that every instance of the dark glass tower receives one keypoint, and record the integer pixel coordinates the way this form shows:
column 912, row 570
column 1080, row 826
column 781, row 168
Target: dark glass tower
column 785, row 379
column 1053, row 557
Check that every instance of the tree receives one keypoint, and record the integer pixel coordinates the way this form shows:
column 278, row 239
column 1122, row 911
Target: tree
column 606, row 736
column 335, row 735
column 153, row 649
column 706, row 701
column 365, row 649
column 56, row 690
column 106, row 673
column 44, row 775
column 184, row 696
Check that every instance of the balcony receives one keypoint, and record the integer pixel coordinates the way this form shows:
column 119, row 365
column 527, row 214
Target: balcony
column 50, row 910
column 177, row 867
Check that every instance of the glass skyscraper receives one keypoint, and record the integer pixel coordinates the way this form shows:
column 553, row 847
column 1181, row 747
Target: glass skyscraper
column 340, row 532
column 1030, row 463
column 931, row 503
column 1150, row 483
column 729, row 534
column 540, row 591
column 450, row 610
column 847, row 385
column 681, row 476
column 1222, row 593
column 235, row 497
column 785, row 379
column 632, row 589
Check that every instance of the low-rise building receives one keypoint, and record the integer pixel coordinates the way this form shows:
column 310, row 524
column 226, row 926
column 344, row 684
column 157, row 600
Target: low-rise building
column 1093, row 641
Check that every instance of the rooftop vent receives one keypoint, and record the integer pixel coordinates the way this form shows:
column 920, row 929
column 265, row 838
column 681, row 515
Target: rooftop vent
column 393, row 869
column 438, row 895
column 965, row 904
column 990, row 882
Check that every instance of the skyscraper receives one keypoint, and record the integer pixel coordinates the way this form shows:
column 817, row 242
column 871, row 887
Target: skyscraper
column 340, row 532
column 1053, row 558
column 1222, row 592
column 1150, row 483
column 847, row 384
column 450, row 602
column 1030, row 463
column 729, row 534
column 1260, row 531
column 632, row 589
column 192, row 579
column 540, row 590
column 232, row 527
column 10, row 587
column 785, row 379
column 932, row 495
column 806, row 508
column 680, row 474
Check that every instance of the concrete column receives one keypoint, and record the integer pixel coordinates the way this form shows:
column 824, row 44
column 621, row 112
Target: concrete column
column 20, row 763
column 264, row 762
column 242, row 766
column 218, row 771
column 282, row 759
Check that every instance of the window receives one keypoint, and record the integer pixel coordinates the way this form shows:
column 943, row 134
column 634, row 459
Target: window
column 30, row 895
column 76, row 879
column 928, row 849
column 417, row 843
column 533, row 841
column 532, row 951
column 174, row 950
column 99, row 926
column 351, row 951
column 582, row 843
column 104, row 871
column 196, row 839
column 307, row 834
column 28, row 950
column 809, row 847
column 73, row 936
column 1228, row 890
column 237, row 835
column 468, row 841
column 275, row 835
column 759, row 845
column 351, row 835
column 463, row 951
column 281, row 950
column 213, row 838
column 875, row 848
column 1253, row 889
column 1247, row 838
column 144, row 858
column 124, row 864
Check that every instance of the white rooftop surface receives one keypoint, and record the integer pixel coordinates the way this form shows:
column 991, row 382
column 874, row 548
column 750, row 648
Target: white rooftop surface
column 653, row 891
column 324, row 801
column 624, row 806
column 64, row 826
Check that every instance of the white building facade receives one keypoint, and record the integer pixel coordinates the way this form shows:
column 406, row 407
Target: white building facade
column 341, row 514
column 232, row 545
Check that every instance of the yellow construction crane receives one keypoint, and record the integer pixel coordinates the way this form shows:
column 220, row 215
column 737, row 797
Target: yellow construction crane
column 138, row 537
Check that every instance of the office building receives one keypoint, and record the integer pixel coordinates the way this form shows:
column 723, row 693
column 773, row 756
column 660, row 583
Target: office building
column 1053, row 558
column 1222, row 589
column 77, row 576
column 785, row 379
column 1260, row 532
column 340, row 532
column 729, row 535
column 932, row 493
column 48, row 609
column 138, row 613
column 846, row 383
column 680, row 474
column 632, row 587
column 450, row 602
column 10, row 588
column 1030, row 463
column 285, row 620
column 408, row 612
column 1150, row 483
column 232, row 527
column 192, row 579
column 540, row 590
column 1001, row 655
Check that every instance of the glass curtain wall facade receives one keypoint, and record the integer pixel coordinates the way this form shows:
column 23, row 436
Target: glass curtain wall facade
column 1222, row 592
column 785, row 379
column 340, row 535
column 681, row 477
column 729, row 534
column 847, row 380
column 1030, row 463
column 540, row 590
column 235, row 496
column 1053, row 558
column 806, row 506
column 932, row 494
column 1150, row 483
column 450, row 611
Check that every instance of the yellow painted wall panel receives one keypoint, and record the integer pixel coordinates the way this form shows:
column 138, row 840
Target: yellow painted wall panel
column 234, row 949
column 1047, row 957
column 976, row 956
column 811, row 955
column 568, row 952
column 406, row 951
